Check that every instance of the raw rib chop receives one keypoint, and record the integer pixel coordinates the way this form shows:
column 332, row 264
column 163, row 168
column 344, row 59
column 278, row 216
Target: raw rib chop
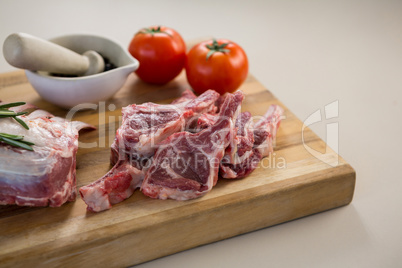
column 265, row 130
column 143, row 128
column 186, row 165
column 245, row 135
column 186, row 96
column 248, row 154
column 240, row 151
column 45, row 176
column 117, row 185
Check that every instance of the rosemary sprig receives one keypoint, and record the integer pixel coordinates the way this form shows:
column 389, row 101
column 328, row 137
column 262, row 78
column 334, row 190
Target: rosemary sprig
column 22, row 123
column 14, row 140
column 13, row 104
column 4, row 112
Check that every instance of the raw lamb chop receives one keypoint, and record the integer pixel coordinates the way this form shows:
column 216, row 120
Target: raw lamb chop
column 265, row 130
column 240, row 150
column 46, row 175
column 244, row 135
column 117, row 185
column 249, row 154
column 143, row 128
column 186, row 96
column 186, row 165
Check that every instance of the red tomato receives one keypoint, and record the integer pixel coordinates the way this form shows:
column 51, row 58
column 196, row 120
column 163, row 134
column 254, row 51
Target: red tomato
column 221, row 65
column 161, row 52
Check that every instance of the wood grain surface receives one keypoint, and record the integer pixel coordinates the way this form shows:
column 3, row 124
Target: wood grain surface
column 288, row 185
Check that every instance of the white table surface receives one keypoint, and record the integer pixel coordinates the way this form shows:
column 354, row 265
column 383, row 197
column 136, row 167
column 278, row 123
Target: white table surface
column 309, row 54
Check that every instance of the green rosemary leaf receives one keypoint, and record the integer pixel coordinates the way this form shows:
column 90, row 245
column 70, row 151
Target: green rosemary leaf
column 11, row 136
column 21, row 122
column 14, row 140
column 16, row 143
column 8, row 113
column 28, row 142
column 13, row 104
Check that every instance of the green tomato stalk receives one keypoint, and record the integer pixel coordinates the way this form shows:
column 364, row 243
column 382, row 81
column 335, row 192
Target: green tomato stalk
column 215, row 47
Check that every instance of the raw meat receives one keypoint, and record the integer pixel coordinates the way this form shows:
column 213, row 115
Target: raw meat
column 255, row 143
column 265, row 130
column 45, row 176
column 176, row 151
column 205, row 103
column 244, row 135
column 186, row 96
column 186, row 165
column 242, row 153
column 117, row 185
column 143, row 128
column 206, row 120
column 239, row 159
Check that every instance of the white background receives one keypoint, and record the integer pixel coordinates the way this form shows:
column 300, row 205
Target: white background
column 309, row 54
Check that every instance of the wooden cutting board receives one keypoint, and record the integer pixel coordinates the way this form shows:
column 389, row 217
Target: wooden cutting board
column 289, row 184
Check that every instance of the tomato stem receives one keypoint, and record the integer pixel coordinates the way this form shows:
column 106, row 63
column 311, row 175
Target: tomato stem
column 215, row 47
column 153, row 30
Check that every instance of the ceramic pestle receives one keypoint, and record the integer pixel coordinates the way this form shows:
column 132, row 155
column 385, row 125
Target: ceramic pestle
column 25, row 51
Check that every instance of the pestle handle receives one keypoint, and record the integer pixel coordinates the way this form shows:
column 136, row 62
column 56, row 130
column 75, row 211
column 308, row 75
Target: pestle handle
column 29, row 52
